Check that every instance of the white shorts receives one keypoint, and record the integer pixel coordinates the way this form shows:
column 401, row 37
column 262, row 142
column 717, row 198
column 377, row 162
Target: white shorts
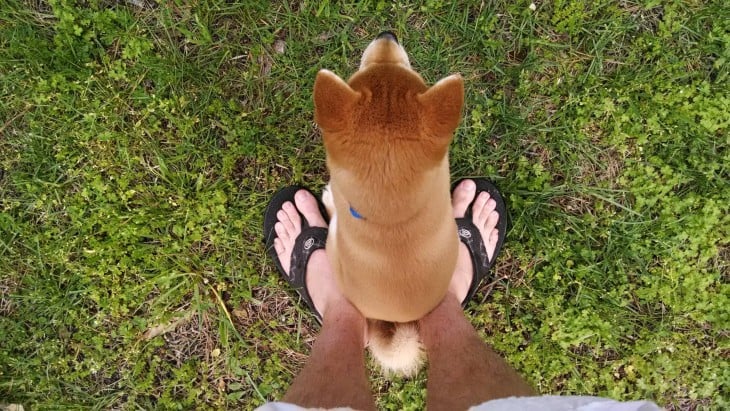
column 543, row 403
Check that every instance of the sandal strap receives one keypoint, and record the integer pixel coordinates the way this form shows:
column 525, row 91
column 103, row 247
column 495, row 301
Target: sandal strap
column 471, row 237
column 307, row 242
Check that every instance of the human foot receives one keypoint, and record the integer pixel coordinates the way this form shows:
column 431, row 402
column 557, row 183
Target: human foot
column 296, row 234
column 485, row 217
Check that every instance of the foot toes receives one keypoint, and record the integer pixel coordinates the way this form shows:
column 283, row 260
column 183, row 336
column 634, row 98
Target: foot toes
column 289, row 223
column 281, row 232
column 307, row 204
column 478, row 209
column 485, row 217
column 492, row 220
column 293, row 215
column 278, row 246
column 492, row 244
column 462, row 197
column 286, row 223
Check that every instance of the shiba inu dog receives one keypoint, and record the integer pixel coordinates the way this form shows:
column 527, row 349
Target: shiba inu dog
column 392, row 239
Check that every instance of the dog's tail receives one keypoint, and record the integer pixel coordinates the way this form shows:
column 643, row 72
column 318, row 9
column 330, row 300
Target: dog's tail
column 396, row 347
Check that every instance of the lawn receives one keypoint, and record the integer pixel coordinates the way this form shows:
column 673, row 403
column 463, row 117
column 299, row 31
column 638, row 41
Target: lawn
column 141, row 141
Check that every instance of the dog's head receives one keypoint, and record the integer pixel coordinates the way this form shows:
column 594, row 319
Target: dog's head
column 385, row 122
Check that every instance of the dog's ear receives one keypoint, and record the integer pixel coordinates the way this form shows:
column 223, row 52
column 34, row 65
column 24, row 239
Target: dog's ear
column 333, row 101
column 441, row 105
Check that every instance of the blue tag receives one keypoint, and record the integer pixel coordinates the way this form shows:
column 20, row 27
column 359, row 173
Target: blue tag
column 356, row 214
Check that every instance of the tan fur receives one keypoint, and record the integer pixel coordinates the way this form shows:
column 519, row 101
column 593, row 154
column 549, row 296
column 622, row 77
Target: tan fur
column 387, row 134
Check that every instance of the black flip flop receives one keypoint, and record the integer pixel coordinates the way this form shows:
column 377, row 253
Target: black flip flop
column 470, row 236
column 309, row 240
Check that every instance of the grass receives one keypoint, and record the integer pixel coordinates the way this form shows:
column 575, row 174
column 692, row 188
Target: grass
column 140, row 142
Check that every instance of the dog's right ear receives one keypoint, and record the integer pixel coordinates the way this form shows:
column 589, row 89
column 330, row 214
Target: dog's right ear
column 442, row 104
column 333, row 101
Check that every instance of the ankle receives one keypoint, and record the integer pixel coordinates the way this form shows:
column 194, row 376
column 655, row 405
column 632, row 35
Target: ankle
column 448, row 316
column 463, row 274
column 319, row 281
column 341, row 313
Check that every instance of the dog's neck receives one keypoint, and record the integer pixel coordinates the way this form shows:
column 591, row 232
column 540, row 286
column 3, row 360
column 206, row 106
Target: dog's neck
column 377, row 201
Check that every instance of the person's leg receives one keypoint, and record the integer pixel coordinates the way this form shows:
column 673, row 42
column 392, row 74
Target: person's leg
column 334, row 375
column 463, row 370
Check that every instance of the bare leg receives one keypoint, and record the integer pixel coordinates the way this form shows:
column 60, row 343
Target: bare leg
column 334, row 375
column 463, row 370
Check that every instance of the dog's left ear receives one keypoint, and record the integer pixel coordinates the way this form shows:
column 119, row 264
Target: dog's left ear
column 442, row 104
column 333, row 101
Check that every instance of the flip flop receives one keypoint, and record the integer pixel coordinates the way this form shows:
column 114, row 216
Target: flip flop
column 307, row 242
column 470, row 236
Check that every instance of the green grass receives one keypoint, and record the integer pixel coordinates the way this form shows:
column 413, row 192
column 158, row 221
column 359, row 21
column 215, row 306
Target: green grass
column 139, row 146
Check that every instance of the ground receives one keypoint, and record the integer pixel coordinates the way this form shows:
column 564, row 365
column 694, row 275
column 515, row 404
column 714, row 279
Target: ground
column 140, row 142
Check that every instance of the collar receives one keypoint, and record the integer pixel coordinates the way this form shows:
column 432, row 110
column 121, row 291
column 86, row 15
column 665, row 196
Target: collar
column 355, row 214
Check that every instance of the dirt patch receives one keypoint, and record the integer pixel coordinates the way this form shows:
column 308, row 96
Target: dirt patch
column 606, row 169
column 193, row 337
column 687, row 404
column 8, row 287
column 574, row 204
column 279, row 306
column 509, row 272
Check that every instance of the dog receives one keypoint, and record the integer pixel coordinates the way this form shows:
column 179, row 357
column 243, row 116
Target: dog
column 392, row 239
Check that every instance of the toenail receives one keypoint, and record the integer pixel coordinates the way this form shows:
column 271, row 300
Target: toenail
column 470, row 185
column 301, row 195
